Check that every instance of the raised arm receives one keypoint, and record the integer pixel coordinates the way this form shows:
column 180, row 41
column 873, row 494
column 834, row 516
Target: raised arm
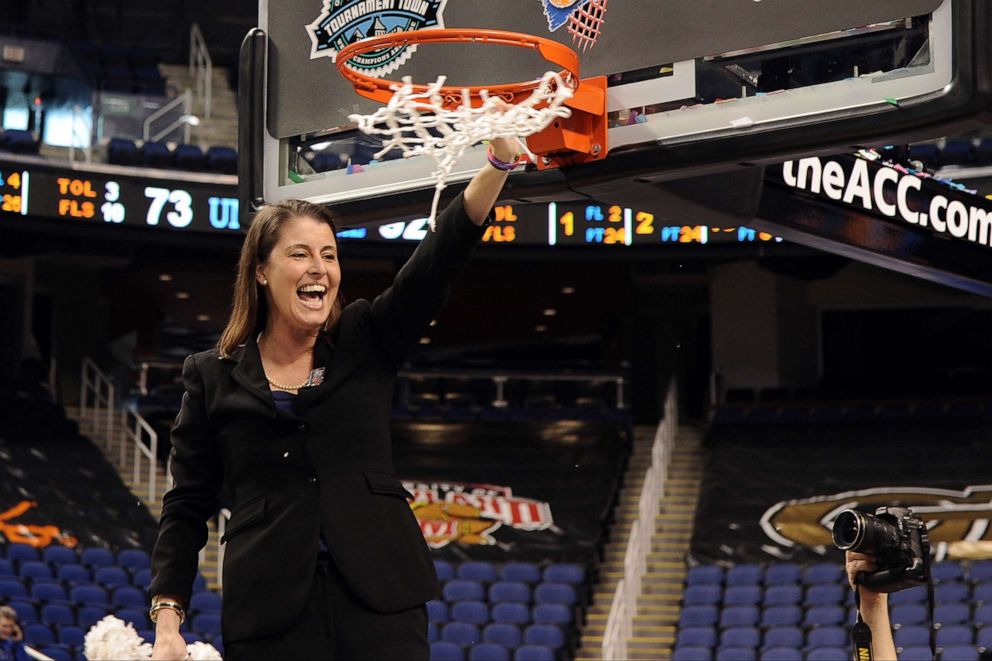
column 196, row 470
column 874, row 608
column 401, row 313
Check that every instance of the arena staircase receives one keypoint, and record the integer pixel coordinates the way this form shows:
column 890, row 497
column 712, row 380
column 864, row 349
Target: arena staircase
column 118, row 451
column 221, row 128
column 662, row 585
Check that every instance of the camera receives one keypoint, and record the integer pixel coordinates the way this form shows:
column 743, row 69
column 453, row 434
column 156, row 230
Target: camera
column 897, row 539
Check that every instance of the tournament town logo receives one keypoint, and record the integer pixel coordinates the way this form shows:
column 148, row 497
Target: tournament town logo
column 958, row 518
column 343, row 22
column 469, row 513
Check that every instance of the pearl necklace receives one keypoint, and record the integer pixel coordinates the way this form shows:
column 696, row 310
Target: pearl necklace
column 277, row 385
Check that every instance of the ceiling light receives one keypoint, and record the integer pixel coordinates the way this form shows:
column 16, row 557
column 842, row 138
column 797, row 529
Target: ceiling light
column 425, row 340
column 181, row 295
column 165, row 277
column 434, row 322
column 549, row 312
column 568, row 290
column 540, row 328
column 203, row 317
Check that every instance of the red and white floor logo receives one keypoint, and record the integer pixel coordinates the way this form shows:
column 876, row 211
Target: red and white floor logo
column 469, row 513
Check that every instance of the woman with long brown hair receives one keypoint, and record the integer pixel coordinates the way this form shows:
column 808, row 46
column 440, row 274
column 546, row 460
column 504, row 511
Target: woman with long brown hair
column 324, row 557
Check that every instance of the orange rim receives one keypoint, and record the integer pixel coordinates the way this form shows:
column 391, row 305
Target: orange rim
column 377, row 89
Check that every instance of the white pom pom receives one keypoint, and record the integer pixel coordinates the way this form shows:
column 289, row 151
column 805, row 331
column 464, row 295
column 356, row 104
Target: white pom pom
column 112, row 639
column 204, row 652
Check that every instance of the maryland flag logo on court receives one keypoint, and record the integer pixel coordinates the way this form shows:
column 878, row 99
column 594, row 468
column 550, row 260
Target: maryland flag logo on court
column 469, row 513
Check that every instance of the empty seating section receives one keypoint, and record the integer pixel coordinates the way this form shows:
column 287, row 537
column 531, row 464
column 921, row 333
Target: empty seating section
column 60, row 593
column 791, row 612
column 127, row 152
column 516, row 610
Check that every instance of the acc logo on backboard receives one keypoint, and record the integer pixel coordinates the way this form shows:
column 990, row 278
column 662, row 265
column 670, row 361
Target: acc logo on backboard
column 470, row 513
column 343, row 22
column 951, row 516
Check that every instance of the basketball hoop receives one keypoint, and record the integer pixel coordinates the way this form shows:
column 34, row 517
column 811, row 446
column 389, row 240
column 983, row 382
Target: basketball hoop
column 562, row 116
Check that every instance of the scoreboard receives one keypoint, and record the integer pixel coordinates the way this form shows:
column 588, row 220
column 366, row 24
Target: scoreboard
column 188, row 205
column 90, row 197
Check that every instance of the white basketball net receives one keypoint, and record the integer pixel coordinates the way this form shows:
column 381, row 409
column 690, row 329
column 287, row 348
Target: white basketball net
column 418, row 123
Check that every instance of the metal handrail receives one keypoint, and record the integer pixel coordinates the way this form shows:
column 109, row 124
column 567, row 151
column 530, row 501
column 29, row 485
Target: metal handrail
column 85, row 145
column 620, row 622
column 96, row 386
column 186, row 100
column 133, row 429
column 201, row 68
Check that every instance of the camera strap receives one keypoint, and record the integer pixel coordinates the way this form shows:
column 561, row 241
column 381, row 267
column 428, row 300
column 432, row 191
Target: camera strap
column 860, row 632
column 930, row 604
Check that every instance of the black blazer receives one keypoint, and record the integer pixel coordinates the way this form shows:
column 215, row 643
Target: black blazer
column 327, row 470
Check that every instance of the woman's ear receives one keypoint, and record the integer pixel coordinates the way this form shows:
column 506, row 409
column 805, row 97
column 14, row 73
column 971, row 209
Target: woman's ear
column 260, row 276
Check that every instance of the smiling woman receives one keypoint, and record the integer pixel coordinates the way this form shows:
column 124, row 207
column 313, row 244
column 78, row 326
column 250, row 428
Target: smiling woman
column 291, row 410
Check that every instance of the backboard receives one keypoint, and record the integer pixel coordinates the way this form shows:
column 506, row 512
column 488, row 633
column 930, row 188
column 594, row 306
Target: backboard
column 695, row 86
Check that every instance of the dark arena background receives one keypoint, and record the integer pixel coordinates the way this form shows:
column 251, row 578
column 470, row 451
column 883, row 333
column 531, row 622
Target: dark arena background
column 665, row 372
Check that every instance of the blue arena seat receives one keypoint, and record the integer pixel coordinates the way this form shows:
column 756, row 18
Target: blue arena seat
column 56, row 653
column 744, row 574
column 981, row 570
column 26, row 612
column 736, row 654
column 782, row 595
column 908, row 614
column 443, row 651
column 111, row 577
column 12, row 588
column 959, row 653
column 223, row 160
column 190, row 157
column 460, row 633
column 829, row 654
column 740, row 637
column 778, row 616
column 911, row 635
column 510, row 613
column 128, row 597
column 521, row 572
column 96, row 557
column 48, row 592
column 445, row 572
column 19, row 552
column 59, row 555
column 34, row 570
column 89, row 595
column 692, row 654
column 704, row 575
column 7, row 568
column 433, row 632
column 820, row 616
column 783, row 573
column 142, row 578
column 205, row 602
column 507, row 635
column 74, row 574
column 742, row 595
column 947, row 571
column 565, row 573
column 137, row 617
column 473, row 612
column 488, row 652
column 555, row 593
column 702, row 595
column 38, row 634
column 780, row 654
column 462, row 590
column 915, row 595
column 983, row 615
column 133, row 559
column 946, row 614
column 506, row 591
column 951, row 592
column 916, row 653
column 477, row 571
column 207, row 624
column 533, row 653
column 826, row 594
column 739, row 616
column 696, row 637
column 59, row 614
column 826, row 637
column 783, row 637
column 437, row 611
column 546, row 635
column 698, row 616
column 552, row 614
column 824, row 572
column 72, row 636
column 955, row 634
column 984, row 638
column 199, row 582
column 87, row 616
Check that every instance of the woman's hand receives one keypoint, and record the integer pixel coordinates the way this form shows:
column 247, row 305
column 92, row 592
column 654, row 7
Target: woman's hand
column 857, row 563
column 169, row 646
column 505, row 149
column 874, row 606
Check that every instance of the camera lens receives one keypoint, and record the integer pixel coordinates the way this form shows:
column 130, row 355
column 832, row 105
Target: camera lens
column 849, row 530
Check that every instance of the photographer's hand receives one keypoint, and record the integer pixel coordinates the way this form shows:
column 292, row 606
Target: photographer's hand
column 874, row 607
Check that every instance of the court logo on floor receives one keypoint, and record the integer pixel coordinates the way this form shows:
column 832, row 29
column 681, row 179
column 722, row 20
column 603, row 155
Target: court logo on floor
column 343, row 22
column 959, row 519
column 470, row 513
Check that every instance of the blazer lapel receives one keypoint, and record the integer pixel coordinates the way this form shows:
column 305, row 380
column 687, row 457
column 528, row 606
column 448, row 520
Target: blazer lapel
column 250, row 374
column 340, row 354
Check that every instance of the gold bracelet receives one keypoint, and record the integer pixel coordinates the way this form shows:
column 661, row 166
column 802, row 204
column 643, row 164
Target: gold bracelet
column 171, row 605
